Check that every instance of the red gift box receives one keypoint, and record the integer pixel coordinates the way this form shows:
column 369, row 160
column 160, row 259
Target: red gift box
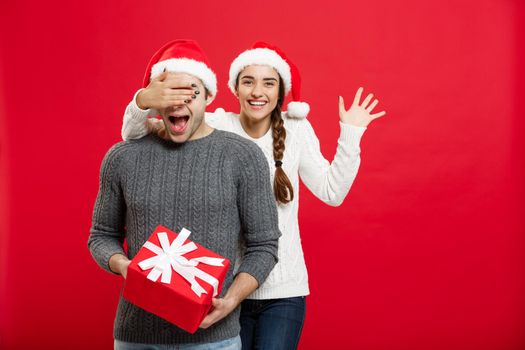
column 175, row 278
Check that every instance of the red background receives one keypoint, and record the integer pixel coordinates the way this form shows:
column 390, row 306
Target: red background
column 427, row 252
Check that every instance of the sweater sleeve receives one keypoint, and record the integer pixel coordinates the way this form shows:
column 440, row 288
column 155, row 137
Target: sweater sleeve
column 258, row 214
column 329, row 182
column 107, row 230
column 134, row 125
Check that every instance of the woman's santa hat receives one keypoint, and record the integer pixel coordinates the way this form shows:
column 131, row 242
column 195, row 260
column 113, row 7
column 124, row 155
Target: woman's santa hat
column 182, row 56
column 265, row 54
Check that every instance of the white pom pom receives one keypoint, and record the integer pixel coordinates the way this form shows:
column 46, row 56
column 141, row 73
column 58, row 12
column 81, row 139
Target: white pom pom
column 298, row 109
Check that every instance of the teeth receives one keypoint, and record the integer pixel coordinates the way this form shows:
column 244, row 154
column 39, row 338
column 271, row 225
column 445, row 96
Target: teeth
column 174, row 119
column 257, row 103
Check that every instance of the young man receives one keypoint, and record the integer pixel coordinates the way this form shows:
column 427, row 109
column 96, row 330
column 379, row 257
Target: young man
column 212, row 182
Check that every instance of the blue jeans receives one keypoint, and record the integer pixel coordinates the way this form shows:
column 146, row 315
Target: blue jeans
column 272, row 324
column 228, row 344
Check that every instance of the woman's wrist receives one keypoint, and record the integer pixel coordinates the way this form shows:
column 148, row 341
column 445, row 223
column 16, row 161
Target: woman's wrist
column 141, row 100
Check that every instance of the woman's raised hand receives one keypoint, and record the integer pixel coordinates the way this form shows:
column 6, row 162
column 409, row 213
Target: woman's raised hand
column 359, row 113
column 167, row 90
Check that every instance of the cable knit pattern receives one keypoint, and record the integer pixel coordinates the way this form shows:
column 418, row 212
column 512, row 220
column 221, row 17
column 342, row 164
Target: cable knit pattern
column 330, row 182
column 215, row 186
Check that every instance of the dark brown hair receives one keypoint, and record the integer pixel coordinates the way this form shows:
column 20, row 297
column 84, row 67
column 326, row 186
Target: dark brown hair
column 282, row 187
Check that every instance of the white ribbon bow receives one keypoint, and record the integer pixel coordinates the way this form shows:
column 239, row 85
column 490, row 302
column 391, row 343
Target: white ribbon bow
column 171, row 256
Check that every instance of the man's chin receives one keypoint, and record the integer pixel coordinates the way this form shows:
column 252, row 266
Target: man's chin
column 177, row 134
column 179, row 138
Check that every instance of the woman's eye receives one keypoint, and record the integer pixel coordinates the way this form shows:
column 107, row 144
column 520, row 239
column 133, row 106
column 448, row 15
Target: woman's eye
column 247, row 82
column 269, row 84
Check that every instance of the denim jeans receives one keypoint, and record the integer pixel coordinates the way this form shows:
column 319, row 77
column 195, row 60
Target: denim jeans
column 228, row 344
column 272, row 324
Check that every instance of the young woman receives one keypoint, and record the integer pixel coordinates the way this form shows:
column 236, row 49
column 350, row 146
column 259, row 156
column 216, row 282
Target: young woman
column 273, row 316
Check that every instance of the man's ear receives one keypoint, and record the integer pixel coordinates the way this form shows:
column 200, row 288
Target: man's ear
column 209, row 99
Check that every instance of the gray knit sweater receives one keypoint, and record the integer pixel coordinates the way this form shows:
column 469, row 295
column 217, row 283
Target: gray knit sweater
column 217, row 187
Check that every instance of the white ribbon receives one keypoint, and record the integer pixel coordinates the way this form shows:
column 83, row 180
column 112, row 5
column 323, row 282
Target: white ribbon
column 171, row 256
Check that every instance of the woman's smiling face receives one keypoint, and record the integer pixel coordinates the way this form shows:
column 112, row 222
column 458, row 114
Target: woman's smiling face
column 258, row 91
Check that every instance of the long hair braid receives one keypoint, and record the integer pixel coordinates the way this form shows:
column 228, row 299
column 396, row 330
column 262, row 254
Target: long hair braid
column 282, row 187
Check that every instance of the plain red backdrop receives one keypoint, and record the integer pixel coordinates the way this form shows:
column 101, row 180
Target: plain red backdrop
column 427, row 252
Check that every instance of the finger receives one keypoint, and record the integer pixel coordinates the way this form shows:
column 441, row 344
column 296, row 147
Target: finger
column 357, row 97
column 378, row 115
column 181, row 92
column 206, row 322
column 162, row 76
column 367, row 100
column 177, row 85
column 174, row 81
column 176, row 100
column 341, row 104
column 211, row 318
column 372, row 105
column 176, row 103
column 177, row 95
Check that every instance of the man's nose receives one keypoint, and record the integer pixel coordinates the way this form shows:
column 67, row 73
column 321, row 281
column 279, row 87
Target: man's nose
column 176, row 108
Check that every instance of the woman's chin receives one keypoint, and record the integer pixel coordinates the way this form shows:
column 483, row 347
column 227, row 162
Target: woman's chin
column 257, row 115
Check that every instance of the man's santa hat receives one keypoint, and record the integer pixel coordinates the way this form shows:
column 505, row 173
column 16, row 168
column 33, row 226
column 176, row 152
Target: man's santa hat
column 265, row 54
column 182, row 56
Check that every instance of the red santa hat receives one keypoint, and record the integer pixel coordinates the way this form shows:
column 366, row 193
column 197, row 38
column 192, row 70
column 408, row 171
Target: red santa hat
column 182, row 56
column 262, row 53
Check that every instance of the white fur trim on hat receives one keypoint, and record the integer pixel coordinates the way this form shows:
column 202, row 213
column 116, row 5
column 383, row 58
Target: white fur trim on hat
column 188, row 66
column 264, row 57
column 297, row 110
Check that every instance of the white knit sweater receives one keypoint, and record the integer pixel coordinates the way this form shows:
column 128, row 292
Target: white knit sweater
column 302, row 158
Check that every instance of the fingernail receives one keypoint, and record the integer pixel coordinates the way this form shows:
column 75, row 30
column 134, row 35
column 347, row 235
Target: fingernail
column 193, row 96
column 194, row 85
column 197, row 92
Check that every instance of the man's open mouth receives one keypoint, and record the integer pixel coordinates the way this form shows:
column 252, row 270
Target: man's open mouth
column 178, row 123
